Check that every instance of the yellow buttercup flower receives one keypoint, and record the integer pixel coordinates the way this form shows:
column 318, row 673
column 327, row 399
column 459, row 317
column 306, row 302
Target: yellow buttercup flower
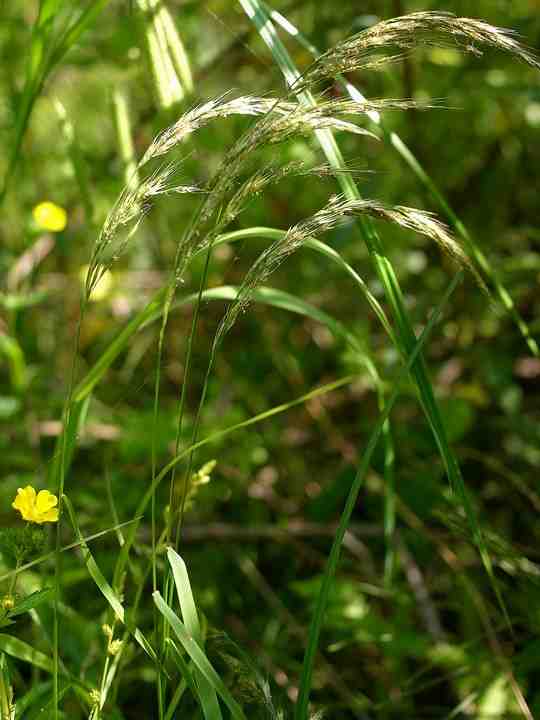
column 8, row 603
column 50, row 216
column 36, row 507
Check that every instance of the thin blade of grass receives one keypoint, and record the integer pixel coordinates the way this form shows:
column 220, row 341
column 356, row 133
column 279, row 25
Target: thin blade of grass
column 207, row 694
column 31, row 601
column 302, row 706
column 7, row 708
column 185, row 669
column 22, row 651
column 185, row 594
column 197, row 656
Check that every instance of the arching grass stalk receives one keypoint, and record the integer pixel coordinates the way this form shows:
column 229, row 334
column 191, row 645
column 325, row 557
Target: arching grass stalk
column 130, row 536
column 402, row 34
column 146, row 499
column 287, row 120
column 474, row 251
column 154, row 309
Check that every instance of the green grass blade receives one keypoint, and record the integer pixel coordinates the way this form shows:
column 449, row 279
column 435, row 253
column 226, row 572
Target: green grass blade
column 207, row 694
column 291, row 303
column 22, row 651
column 7, row 709
column 185, row 594
column 30, row 601
column 198, row 657
column 187, row 678
column 302, row 706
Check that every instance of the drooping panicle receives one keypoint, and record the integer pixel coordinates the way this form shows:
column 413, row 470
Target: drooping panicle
column 411, row 31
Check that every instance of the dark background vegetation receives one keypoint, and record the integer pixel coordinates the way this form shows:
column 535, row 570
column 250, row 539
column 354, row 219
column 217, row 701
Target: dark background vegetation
column 256, row 537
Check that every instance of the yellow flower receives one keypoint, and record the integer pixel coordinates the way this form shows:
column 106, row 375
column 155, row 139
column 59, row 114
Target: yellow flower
column 50, row 216
column 37, row 508
column 8, row 602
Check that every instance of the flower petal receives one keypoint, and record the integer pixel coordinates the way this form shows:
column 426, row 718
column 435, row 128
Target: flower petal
column 25, row 502
column 37, row 509
column 45, row 501
column 49, row 516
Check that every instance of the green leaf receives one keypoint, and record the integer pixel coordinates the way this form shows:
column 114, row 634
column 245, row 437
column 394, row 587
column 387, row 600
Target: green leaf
column 31, row 601
column 22, row 651
column 185, row 595
column 197, row 655
column 207, row 694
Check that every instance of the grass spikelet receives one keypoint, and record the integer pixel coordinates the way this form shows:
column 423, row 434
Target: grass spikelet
column 324, row 116
column 337, row 211
column 133, row 203
column 254, row 186
column 411, row 31
column 200, row 115
column 283, row 121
